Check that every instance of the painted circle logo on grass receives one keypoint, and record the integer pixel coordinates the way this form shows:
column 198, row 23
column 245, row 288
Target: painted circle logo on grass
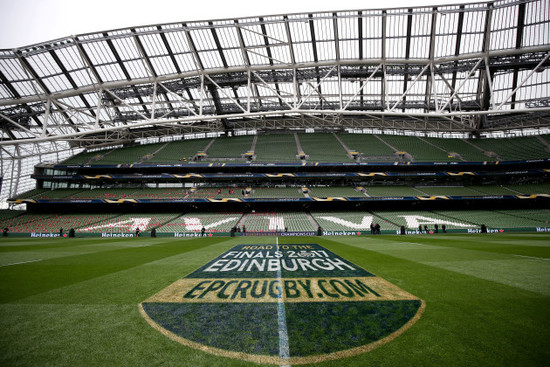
column 282, row 304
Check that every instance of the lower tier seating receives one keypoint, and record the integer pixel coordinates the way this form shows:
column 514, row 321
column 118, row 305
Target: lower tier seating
column 277, row 222
column 194, row 222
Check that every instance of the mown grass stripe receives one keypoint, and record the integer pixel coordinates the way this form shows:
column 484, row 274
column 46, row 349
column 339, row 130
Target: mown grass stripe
column 22, row 262
column 34, row 278
column 284, row 349
column 534, row 257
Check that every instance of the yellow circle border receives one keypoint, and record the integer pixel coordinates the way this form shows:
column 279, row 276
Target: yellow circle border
column 258, row 358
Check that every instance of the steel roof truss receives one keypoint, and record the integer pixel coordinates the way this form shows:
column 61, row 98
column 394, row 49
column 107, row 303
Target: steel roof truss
column 23, row 128
column 218, row 44
column 402, row 97
column 451, row 88
column 362, row 87
column 317, row 85
column 198, row 62
column 277, row 93
column 181, row 99
column 225, row 94
column 525, row 79
column 123, row 103
column 470, row 73
column 144, row 56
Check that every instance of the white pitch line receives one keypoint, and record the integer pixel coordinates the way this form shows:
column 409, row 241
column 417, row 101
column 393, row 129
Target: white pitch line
column 22, row 262
column 284, row 350
column 533, row 257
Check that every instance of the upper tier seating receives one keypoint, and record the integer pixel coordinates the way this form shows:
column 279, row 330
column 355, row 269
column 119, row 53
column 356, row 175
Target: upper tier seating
column 418, row 149
column 276, row 192
column 370, row 147
column 232, row 148
column 110, row 193
column 84, row 157
column 324, row 192
column 447, row 191
column 466, row 151
column 527, row 189
column 276, row 148
column 179, row 151
column 491, row 190
column 160, row 193
column 129, row 155
column 58, row 193
column 380, row 191
column 322, row 148
column 216, row 192
column 514, row 148
column 32, row 194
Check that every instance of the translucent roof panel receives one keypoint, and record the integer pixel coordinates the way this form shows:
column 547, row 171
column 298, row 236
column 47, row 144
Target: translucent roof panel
column 431, row 62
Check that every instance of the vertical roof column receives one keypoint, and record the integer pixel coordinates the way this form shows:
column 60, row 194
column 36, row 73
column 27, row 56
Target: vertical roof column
column 519, row 41
column 430, row 82
column 484, row 87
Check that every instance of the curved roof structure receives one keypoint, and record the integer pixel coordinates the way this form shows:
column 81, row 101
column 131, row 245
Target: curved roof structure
column 462, row 67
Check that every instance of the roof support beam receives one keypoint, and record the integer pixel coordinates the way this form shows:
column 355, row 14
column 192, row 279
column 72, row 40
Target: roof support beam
column 459, row 28
column 362, row 86
column 328, row 63
column 42, row 85
column 472, row 71
column 281, row 114
column 313, row 40
column 143, row 53
column 337, row 53
column 277, row 92
column 218, row 44
column 360, row 34
column 407, row 55
column 198, row 62
column 69, row 78
column 430, row 80
column 402, row 98
column 525, row 79
column 269, row 55
column 383, row 80
column 519, row 39
column 296, row 84
column 168, row 49
column 315, row 54
column 246, row 59
column 18, row 125
column 483, row 90
column 225, row 94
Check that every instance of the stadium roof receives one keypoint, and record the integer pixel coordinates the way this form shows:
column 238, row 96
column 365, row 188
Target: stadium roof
column 466, row 68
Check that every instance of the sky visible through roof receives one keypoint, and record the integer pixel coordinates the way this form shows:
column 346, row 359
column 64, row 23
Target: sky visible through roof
column 27, row 22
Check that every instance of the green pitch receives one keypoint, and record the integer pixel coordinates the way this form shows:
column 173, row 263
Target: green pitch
column 76, row 301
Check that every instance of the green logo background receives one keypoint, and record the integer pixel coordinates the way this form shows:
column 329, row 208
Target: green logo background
column 331, row 307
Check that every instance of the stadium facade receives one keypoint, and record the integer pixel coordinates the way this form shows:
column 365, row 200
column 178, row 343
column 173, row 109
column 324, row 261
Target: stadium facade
column 467, row 71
